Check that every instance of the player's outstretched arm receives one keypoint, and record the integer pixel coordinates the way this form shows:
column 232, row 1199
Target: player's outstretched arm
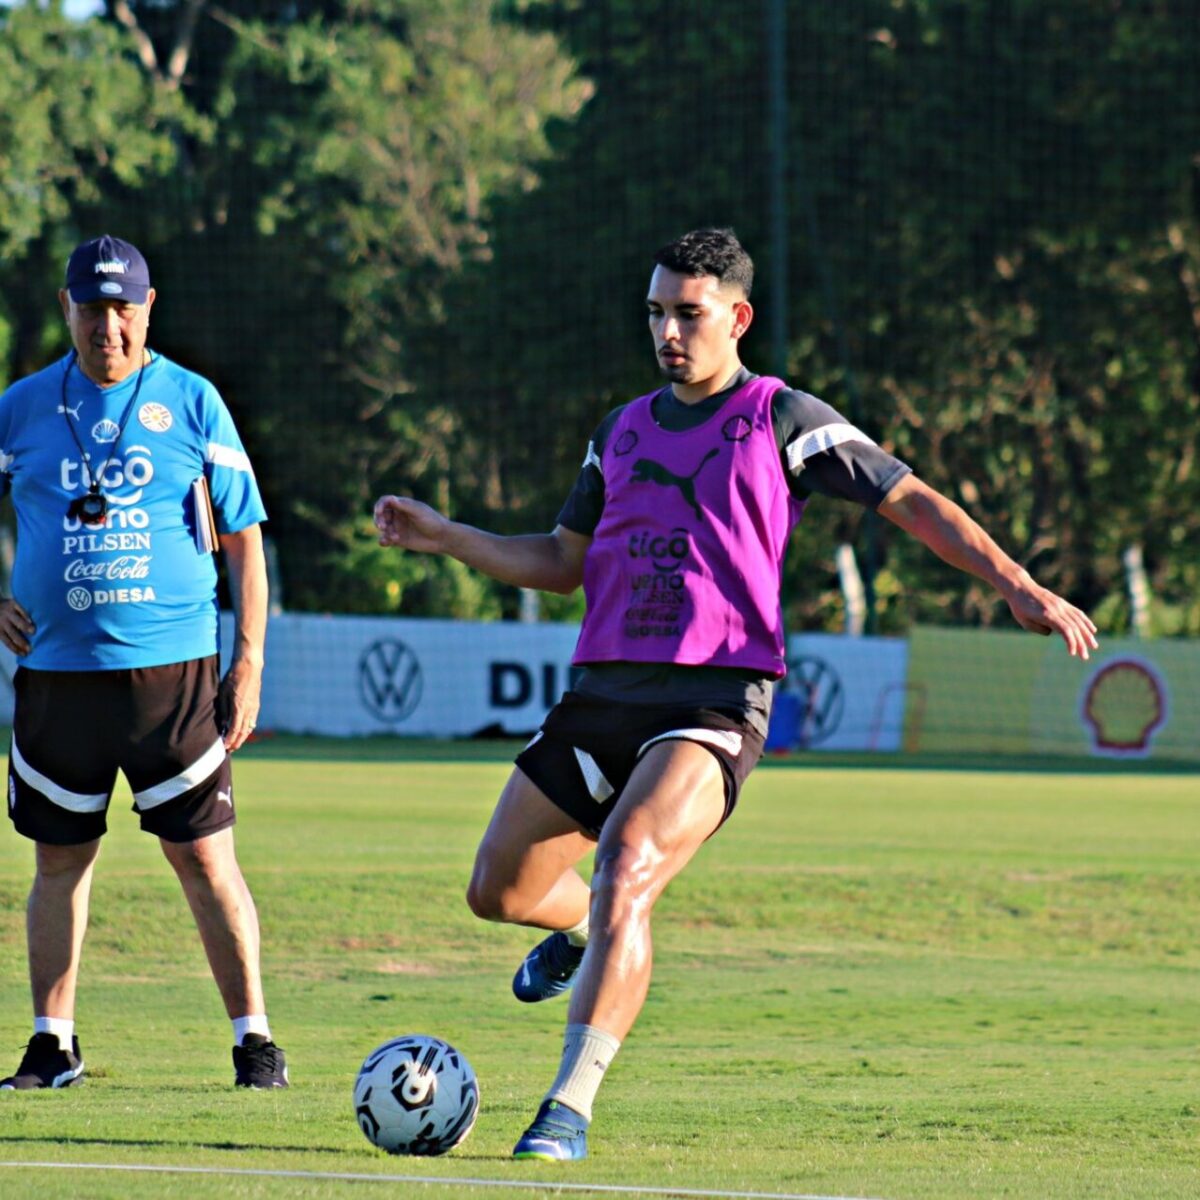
column 952, row 535
column 550, row 562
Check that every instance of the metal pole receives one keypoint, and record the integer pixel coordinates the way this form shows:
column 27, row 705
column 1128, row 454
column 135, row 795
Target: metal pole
column 777, row 104
column 777, row 192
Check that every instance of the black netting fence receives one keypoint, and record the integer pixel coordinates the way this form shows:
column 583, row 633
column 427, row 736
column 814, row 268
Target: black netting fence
column 409, row 240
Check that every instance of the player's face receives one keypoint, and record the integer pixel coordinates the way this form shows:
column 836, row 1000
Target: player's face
column 696, row 324
column 109, row 335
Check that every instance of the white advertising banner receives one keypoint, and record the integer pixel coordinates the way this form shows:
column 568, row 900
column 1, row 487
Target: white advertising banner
column 849, row 693
column 354, row 676
column 368, row 675
column 349, row 676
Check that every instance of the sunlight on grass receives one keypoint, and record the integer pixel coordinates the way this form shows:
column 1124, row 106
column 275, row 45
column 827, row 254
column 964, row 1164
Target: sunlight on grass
column 872, row 982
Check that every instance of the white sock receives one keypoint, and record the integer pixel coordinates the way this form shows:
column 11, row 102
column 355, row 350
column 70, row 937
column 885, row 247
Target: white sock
column 252, row 1024
column 61, row 1027
column 577, row 935
column 587, row 1051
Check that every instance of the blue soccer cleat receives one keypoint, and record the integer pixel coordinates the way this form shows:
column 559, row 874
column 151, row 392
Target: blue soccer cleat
column 548, row 970
column 558, row 1134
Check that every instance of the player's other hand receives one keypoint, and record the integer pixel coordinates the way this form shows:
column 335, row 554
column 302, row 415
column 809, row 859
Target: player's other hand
column 1041, row 611
column 15, row 626
column 404, row 522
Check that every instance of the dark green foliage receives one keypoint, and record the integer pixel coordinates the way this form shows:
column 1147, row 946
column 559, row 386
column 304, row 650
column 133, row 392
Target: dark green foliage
column 409, row 241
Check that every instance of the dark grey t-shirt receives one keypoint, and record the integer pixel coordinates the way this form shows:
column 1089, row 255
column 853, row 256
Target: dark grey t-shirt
column 822, row 453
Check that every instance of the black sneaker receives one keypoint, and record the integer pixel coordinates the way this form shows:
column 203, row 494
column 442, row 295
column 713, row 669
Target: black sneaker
column 46, row 1065
column 259, row 1063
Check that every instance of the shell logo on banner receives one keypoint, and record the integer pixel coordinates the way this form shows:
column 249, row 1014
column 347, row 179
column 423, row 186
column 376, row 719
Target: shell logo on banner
column 1122, row 705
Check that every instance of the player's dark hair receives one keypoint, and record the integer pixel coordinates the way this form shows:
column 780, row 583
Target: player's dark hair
column 715, row 252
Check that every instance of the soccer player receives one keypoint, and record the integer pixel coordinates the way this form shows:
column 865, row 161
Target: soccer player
column 125, row 472
column 677, row 528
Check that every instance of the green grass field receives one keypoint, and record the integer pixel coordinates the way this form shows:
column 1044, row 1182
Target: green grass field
column 878, row 982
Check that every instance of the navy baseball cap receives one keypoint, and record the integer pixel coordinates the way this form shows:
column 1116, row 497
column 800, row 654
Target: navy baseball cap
column 107, row 268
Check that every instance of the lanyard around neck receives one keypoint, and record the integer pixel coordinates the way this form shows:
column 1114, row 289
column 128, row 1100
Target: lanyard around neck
column 94, row 481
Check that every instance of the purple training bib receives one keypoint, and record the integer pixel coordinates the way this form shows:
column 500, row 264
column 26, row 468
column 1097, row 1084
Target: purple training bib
column 686, row 563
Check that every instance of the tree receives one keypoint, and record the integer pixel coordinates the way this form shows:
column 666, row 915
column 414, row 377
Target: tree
column 358, row 150
column 76, row 118
column 996, row 248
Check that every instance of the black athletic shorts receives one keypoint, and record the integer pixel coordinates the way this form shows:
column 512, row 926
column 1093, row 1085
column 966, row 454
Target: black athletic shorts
column 73, row 730
column 587, row 749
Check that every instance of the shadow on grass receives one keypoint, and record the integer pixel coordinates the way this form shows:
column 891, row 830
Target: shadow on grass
column 460, row 1155
column 167, row 1143
column 384, row 748
column 394, row 748
column 1043, row 764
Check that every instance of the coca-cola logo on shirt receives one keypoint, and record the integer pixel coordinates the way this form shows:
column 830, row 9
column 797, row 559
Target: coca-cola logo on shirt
column 128, row 566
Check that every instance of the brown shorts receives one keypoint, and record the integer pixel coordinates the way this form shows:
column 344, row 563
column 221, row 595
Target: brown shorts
column 588, row 747
column 73, row 730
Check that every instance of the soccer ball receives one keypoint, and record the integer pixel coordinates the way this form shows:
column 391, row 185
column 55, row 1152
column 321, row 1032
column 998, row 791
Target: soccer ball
column 416, row 1095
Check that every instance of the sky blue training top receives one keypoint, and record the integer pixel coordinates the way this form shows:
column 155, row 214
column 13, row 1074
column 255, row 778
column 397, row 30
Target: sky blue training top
column 135, row 590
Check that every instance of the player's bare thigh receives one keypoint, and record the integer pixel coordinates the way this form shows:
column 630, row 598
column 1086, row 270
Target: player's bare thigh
column 674, row 801
column 529, row 846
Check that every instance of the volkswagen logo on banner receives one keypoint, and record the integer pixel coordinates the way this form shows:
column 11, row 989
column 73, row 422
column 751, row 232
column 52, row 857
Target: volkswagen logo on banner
column 389, row 680
column 822, row 698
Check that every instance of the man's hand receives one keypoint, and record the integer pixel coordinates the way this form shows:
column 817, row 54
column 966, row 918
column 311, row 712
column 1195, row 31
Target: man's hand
column 550, row 562
column 953, row 536
column 410, row 524
column 15, row 626
column 238, row 701
column 1042, row 611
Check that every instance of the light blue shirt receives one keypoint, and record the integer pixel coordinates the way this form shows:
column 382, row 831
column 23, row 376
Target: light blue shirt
column 133, row 591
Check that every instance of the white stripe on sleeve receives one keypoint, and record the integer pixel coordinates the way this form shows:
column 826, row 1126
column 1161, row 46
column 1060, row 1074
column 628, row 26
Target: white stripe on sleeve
column 228, row 456
column 825, row 438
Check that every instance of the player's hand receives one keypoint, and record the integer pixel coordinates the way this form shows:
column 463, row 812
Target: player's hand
column 15, row 626
column 238, row 700
column 1041, row 611
column 404, row 522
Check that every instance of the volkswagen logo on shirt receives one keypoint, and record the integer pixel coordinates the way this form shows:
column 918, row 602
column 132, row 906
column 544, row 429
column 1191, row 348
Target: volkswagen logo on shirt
column 390, row 681
column 822, row 698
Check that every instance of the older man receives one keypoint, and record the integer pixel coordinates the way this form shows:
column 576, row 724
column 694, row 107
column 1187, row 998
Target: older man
column 126, row 472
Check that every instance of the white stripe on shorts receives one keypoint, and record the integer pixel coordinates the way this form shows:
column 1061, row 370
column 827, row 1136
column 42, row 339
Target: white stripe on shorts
column 593, row 777
column 722, row 739
column 71, row 801
column 169, row 789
